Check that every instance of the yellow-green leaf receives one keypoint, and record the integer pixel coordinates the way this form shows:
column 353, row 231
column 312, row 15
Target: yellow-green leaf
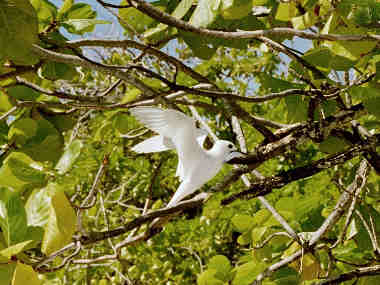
column 24, row 274
column 61, row 224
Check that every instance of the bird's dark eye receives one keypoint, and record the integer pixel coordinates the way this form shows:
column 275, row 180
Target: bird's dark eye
column 230, row 146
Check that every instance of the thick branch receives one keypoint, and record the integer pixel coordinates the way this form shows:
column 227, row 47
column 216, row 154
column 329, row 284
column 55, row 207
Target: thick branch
column 267, row 185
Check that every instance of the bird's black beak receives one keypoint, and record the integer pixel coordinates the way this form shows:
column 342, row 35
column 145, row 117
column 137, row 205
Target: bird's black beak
column 234, row 157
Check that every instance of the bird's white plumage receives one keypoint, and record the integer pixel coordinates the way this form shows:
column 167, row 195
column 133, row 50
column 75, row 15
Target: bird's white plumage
column 176, row 130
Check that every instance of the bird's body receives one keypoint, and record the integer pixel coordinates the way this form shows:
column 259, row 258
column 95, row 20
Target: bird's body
column 196, row 165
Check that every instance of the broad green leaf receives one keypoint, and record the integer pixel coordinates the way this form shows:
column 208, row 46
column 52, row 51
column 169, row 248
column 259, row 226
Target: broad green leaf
column 242, row 223
column 130, row 95
column 46, row 11
column 15, row 249
column 81, row 11
column 12, row 217
column 6, row 272
column 297, row 108
column 19, row 172
column 58, row 70
column 221, row 264
column 199, row 45
column 5, row 103
column 21, row 92
column 246, row 273
column 236, row 9
column 24, row 274
column 18, row 31
column 38, row 206
column 205, row 13
column 66, row 6
column 348, row 49
column 370, row 97
column 81, row 26
column 139, row 22
column 245, row 238
column 69, row 156
column 304, row 21
column 61, row 223
column 333, row 144
column 161, row 31
column 46, row 144
column 258, row 233
column 207, row 277
column 372, row 105
column 330, row 24
column 261, row 217
column 22, row 130
column 286, row 11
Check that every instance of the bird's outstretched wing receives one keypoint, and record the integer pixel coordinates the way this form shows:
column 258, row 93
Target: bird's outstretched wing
column 181, row 131
column 154, row 144
column 160, row 143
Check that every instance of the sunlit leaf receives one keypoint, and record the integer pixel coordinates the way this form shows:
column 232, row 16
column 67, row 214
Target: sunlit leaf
column 61, row 224
column 18, row 31
column 12, row 217
column 24, row 274
column 69, row 156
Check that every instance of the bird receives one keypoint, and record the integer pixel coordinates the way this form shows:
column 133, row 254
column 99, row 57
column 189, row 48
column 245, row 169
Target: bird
column 178, row 131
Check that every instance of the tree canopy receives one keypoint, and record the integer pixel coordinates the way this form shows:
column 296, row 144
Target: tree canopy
column 294, row 83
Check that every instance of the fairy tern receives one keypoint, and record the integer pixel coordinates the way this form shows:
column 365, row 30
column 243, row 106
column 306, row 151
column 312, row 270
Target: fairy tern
column 196, row 165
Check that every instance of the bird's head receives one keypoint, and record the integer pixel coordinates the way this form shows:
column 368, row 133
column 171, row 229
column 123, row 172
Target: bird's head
column 227, row 150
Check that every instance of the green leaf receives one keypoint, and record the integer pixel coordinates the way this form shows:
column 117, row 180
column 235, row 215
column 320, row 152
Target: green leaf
column 205, row 13
column 15, row 249
column 258, row 233
column 286, row 11
column 46, row 144
column 22, row 130
column 6, row 273
column 81, row 11
column 207, row 277
column 220, row 263
column 37, row 206
column 61, row 224
column 66, row 6
column 296, row 108
column 236, row 9
column 351, row 50
column 199, row 45
column 57, row 70
column 24, row 274
column 69, row 156
column 246, row 273
column 4, row 129
column 370, row 97
column 19, row 172
column 333, row 144
column 12, row 217
column 46, row 11
column 81, row 26
column 5, row 104
column 18, row 31
column 135, row 21
column 161, row 31
column 21, row 92
column 242, row 223
column 372, row 105
column 305, row 21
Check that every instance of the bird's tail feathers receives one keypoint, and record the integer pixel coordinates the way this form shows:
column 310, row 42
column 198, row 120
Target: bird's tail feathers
column 186, row 188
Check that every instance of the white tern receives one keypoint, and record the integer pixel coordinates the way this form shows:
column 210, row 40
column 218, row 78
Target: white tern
column 196, row 165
